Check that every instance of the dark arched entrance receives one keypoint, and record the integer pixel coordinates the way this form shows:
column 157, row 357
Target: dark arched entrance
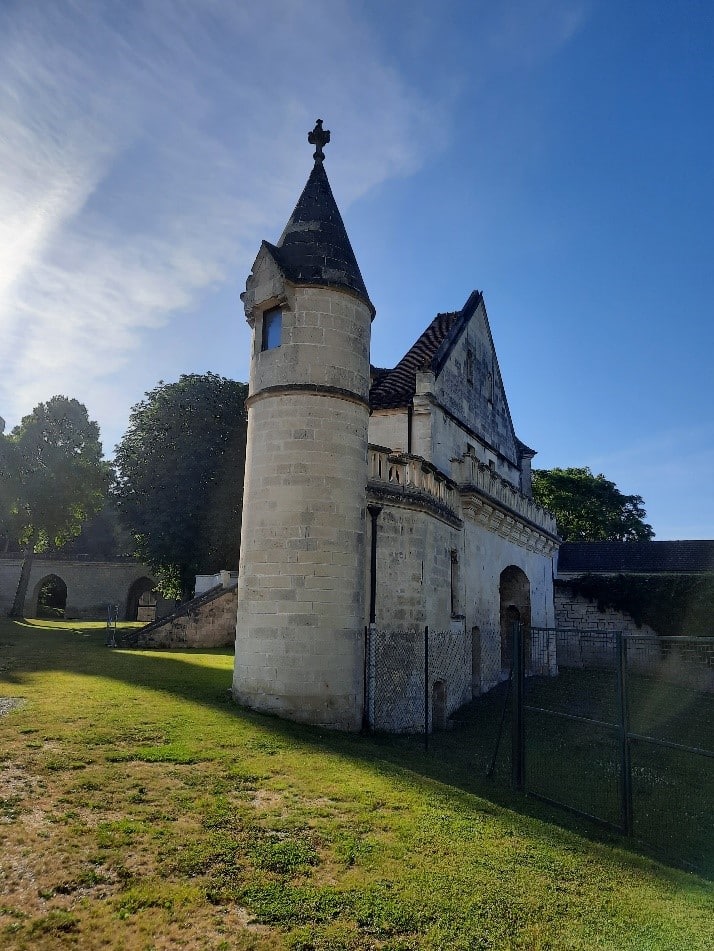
column 515, row 594
column 51, row 597
column 141, row 601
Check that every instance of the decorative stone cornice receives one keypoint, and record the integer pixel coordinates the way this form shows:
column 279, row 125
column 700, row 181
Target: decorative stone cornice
column 497, row 516
column 401, row 478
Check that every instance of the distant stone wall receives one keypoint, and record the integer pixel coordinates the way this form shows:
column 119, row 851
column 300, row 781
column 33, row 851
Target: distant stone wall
column 91, row 585
column 586, row 632
column 573, row 611
column 212, row 624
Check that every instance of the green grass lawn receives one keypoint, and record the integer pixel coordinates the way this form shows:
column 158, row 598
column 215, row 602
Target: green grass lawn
column 139, row 808
column 578, row 763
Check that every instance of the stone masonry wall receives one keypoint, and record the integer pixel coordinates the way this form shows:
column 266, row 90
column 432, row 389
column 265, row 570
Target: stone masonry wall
column 300, row 630
column 586, row 635
column 574, row 612
column 91, row 585
column 413, row 569
column 210, row 625
column 481, row 402
column 390, row 427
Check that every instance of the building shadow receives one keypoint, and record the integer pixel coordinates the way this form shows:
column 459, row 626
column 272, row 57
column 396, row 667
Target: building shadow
column 456, row 763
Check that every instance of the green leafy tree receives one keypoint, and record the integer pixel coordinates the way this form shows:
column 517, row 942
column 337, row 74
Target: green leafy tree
column 589, row 507
column 55, row 479
column 179, row 482
column 9, row 521
column 103, row 537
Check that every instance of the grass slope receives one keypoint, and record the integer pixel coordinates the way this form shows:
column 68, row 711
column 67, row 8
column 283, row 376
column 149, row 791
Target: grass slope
column 140, row 809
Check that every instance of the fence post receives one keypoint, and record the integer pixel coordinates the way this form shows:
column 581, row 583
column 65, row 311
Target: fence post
column 426, row 688
column 517, row 737
column 625, row 761
column 365, row 691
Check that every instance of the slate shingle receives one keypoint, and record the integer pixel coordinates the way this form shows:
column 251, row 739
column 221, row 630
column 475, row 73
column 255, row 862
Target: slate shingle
column 397, row 387
column 314, row 247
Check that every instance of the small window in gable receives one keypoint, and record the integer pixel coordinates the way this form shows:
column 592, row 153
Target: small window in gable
column 272, row 328
column 469, row 366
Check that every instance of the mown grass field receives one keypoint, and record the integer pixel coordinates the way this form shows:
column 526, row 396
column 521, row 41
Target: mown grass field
column 140, row 809
column 579, row 763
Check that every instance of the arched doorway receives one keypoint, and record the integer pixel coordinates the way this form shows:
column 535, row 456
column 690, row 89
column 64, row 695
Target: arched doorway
column 141, row 601
column 515, row 595
column 50, row 599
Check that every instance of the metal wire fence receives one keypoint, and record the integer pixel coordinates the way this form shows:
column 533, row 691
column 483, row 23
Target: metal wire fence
column 416, row 678
column 615, row 727
column 621, row 731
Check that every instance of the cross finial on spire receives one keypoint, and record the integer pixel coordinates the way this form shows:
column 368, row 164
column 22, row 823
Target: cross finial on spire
column 318, row 137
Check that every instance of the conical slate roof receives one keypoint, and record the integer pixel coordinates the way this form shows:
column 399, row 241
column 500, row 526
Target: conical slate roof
column 314, row 247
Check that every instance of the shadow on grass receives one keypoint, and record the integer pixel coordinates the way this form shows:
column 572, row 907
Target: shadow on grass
column 456, row 762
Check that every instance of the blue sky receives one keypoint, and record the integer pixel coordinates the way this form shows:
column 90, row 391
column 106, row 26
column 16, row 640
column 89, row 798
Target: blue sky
column 555, row 154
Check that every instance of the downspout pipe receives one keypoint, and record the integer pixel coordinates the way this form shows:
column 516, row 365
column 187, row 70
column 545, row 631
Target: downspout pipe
column 374, row 511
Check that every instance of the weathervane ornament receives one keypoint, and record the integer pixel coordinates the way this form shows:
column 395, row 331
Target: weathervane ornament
column 318, row 137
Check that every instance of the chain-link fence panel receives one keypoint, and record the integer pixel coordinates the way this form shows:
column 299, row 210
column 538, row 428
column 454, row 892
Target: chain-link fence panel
column 621, row 729
column 417, row 680
column 670, row 696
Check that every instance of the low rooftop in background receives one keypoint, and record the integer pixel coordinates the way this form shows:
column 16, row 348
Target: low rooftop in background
column 675, row 557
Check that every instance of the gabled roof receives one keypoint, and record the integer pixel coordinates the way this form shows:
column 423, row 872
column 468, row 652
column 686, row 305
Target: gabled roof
column 397, row 387
column 673, row 557
column 314, row 247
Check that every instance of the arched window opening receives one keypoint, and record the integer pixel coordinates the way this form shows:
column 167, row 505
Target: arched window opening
column 52, row 597
column 272, row 328
column 141, row 601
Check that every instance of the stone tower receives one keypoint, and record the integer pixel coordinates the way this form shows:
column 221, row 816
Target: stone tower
column 300, row 625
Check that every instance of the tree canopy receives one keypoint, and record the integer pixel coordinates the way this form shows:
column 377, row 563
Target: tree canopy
column 53, row 480
column 589, row 507
column 179, row 481
column 103, row 537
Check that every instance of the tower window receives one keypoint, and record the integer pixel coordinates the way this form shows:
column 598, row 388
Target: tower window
column 272, row 328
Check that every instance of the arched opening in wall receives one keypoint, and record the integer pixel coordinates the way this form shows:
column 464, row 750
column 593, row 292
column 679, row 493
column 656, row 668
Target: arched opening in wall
column 475, row 661
column 438, row 705
column 515, row 595
column 141, row 601
column 51, row 597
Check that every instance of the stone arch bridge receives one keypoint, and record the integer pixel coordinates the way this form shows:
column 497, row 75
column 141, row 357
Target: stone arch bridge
column 91, row 585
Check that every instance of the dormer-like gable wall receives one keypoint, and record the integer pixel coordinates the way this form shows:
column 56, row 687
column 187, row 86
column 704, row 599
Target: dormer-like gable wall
column 467, row 384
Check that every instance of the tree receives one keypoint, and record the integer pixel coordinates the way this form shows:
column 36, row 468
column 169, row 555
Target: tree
column 180, row 478
column 54, row 480
column 103, row 537
column 589, row 507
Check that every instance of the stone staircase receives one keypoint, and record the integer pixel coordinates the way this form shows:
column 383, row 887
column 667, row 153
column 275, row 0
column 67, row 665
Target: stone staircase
column 208, row 620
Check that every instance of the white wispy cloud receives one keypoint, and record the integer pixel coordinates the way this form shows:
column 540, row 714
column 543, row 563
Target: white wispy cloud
column 145, row 149
column 529, row 31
